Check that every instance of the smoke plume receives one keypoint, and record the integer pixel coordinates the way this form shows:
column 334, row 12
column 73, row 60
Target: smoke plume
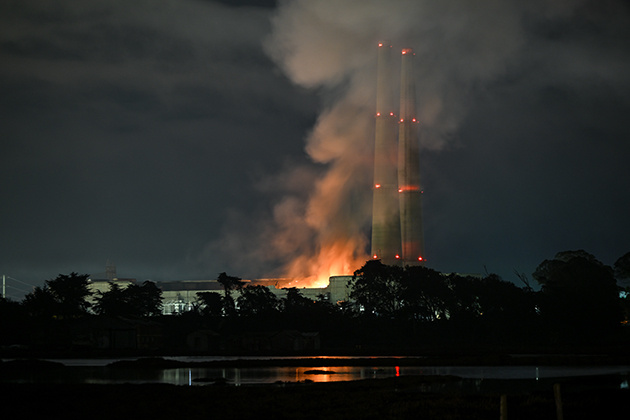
column 321, row 227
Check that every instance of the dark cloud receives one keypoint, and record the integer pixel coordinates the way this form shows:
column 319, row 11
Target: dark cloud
column 131, row 131
column 183, row 138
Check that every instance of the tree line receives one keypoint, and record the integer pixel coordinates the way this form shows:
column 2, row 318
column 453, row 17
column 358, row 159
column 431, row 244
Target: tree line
column 69, row 296
column 578, row 300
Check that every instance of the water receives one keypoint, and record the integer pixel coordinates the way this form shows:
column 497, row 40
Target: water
column 95, row 371
column 267, row 375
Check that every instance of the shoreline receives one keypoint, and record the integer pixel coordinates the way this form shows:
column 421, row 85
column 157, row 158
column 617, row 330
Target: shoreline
column 15, row 363
column 382, row 399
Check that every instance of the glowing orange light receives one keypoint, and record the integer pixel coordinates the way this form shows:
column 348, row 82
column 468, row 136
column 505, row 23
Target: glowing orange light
column 375, row 256
column 401, row 120
column 408, row 188
column 377, row 186
column 420, row 259
column 397, row 256
column 391, row 113
column 414, row 120
column 378, row 114
column 380, row 44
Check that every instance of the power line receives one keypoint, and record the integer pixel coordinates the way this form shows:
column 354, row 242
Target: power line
column 19, row 281
column 18, row 289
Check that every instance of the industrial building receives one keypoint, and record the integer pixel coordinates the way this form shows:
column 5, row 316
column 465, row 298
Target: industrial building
column 181, row 296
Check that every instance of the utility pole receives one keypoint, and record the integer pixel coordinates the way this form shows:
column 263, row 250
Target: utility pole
column 4, row 286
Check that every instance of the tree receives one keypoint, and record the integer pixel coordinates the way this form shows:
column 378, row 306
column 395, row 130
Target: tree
column 377, row 287
column 63, row 297
column 133, row 301
column 622, row 267
column 425, row 294
column 257, row 300
column 229, row 284
column 211, row 303
column 465, row 303
column 579, row 294
column 147, row 298
column 294, row 303
column 622, row 272
column 112, row 302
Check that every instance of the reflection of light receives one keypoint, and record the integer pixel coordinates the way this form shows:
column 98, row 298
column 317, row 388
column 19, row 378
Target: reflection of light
column 397, row 370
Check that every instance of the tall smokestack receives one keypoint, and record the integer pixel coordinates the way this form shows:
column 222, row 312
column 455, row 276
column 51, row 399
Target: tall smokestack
column 386, row 244
column 409, row 189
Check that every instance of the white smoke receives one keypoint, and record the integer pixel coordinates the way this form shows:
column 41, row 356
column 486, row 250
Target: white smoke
column 331, row 45
column 461, row 46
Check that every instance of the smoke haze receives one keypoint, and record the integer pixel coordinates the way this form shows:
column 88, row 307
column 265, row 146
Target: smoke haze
column 183, row 138
column 460, row 47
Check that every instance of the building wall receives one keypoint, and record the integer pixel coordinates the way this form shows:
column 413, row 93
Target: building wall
column 181, row 296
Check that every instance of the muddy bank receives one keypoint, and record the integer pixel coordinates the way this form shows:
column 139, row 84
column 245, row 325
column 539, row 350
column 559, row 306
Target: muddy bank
column 393, row 398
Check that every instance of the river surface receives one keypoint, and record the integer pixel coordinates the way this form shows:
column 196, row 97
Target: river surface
column 96, row 371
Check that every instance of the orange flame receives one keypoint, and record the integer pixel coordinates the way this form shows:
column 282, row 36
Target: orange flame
column 334, row 259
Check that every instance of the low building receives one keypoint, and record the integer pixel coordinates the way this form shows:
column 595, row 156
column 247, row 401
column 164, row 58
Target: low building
column 181, row 296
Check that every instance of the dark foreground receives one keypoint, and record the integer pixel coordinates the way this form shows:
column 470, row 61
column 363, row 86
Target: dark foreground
column 393, row 398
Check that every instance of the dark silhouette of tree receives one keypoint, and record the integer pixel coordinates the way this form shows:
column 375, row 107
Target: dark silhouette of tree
column 147, row 297
column 579, row 295
column 211, row 303
column 257, row 300
column 229, row 283
column 464, row 302
column 377, row 288
column 112, row 302
column 300, row 312
column 13, row 325
column 622, row 272
column 503, row 301
column 132, row 301
column 622, row 267
column 62, row 297
column 295, row 304
column 425, row 294
column 40, row 303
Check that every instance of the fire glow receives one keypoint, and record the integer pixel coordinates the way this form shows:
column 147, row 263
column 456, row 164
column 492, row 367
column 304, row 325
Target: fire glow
column 336, row 259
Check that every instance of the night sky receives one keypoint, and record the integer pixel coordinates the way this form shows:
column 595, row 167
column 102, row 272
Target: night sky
column 183, row 138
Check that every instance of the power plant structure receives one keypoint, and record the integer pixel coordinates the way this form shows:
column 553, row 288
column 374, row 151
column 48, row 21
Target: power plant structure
column 397, row 235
